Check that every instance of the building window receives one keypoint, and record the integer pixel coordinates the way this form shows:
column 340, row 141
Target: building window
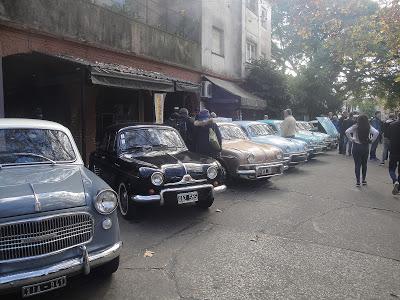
column 252, row 5
column 218, row 41
column 264, row 18
column 251, row 52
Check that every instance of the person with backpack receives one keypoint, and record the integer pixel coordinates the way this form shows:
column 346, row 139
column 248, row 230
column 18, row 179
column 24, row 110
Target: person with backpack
column 386, row 139
column 207, row 137
column 394, row 161
column 359, row 134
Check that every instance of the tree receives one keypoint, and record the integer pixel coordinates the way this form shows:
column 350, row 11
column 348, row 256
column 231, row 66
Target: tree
column 355, row 41
column 267, row 82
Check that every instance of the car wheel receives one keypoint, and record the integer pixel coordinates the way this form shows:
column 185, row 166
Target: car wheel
column 128, row 210
column 206, row 203
column 108, row 268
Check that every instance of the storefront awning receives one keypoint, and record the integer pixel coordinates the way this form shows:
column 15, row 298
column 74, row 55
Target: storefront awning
column 120, row 76
column 247, row 100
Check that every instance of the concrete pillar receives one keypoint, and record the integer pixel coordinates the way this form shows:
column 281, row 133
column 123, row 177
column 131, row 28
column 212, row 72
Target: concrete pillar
column 2, row 113
column 159, row 99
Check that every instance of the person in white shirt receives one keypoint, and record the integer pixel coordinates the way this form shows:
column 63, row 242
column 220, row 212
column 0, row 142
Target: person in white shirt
column 361, row 131
column 288, row 126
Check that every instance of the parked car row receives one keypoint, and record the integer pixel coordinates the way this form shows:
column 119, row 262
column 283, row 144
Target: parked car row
column 59, row 219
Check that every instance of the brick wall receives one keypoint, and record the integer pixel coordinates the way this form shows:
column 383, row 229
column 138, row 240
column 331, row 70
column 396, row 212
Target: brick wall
column 13, row 41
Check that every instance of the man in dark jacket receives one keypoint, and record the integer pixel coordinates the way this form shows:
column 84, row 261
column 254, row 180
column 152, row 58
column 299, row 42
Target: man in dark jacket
column 181, row 121
column 376, row 122
column 342, row 132
column 386, row 140
column 394, row 162
column 202, row 127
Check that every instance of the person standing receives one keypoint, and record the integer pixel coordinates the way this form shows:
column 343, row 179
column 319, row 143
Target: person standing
column 207, row 137
column 185, row 126
column 342, row 131
column 394, row 161
column 288, row 126
column 386, row 140
column 376, row 122
column 348, row 145
column 359, row 135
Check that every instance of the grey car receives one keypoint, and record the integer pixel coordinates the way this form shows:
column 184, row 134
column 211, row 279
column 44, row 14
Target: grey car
column 57, row 219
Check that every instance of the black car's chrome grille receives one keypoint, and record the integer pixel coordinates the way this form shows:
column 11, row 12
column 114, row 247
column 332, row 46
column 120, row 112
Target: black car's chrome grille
column 41, row 236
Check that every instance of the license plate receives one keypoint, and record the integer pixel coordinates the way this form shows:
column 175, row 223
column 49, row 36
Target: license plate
column 264, row 171
column 43, row 287
column 189, row 197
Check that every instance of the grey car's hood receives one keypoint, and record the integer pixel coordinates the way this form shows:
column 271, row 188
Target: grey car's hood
column 55, row 187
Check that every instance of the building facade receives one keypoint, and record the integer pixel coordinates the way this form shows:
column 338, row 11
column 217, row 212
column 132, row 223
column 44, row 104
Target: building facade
column 90, row 63
column 234, row 32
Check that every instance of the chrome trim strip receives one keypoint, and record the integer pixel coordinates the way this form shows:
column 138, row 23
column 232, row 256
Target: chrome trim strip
column 66, row 267
column 185, row 181
column 146, row 199
column 38, row 206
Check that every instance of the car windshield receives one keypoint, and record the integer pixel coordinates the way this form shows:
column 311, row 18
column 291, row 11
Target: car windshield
column 232, row 132
column 34, row 146
column 261, row 130
column 141, row 139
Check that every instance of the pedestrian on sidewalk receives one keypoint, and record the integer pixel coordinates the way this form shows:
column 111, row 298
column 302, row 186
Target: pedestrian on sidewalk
column 359, row 135
column 376, row 122
column 342, row 131
column 386, row 139
column 348, row 145
column 394, row 161
column 288, row 126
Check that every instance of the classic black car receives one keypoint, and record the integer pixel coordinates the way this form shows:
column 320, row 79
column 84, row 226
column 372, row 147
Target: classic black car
column 147, row 163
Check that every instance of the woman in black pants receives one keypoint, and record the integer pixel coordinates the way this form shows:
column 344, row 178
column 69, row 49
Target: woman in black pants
column 361, row 132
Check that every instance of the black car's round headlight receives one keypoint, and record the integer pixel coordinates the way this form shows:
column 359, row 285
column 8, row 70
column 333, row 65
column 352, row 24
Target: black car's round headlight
column 212, row 172
column 157, row 178
column 106, row 202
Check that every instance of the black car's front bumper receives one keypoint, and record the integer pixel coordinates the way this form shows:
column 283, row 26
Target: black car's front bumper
column 160, row 198
column 69, row 267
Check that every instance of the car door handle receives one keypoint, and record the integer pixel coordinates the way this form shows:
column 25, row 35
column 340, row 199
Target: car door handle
column 103, row 157
column 116, row 164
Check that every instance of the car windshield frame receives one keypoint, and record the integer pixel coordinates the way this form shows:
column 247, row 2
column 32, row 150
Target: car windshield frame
column 265, row 127
column 148, row 145
column 230, row 136
column 71, row 152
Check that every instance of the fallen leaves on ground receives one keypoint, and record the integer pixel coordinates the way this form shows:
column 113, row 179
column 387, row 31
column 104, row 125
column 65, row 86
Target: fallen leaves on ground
column 148, row 253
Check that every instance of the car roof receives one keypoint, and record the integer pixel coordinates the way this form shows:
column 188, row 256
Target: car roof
column 120, row 126
column 30, row 123
column 247, row 122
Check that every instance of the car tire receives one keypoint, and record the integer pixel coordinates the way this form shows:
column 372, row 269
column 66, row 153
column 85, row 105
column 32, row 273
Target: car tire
column 108, row 268
column 206, row 203
column 127, row 209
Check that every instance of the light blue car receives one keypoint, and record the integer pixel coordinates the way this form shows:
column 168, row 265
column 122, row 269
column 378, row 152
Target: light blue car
column 315, row 144
column 294, row 151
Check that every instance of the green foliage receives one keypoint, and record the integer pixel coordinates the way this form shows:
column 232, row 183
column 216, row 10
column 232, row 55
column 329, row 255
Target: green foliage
column 265, row 81
column 367, row 107
column 353, row 45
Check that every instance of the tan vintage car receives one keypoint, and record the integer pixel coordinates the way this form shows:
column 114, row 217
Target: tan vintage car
column 245, row 159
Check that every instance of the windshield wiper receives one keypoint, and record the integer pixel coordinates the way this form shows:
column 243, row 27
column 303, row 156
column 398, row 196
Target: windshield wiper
column 139, row 147
column 36, row 155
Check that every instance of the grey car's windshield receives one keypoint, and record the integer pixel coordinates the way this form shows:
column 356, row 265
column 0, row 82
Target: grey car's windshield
column 261, row 130
column 34, row 146
column 150, row 139
column 232, row 132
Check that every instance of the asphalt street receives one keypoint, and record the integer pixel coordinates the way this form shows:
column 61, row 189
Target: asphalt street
column 309, row 234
